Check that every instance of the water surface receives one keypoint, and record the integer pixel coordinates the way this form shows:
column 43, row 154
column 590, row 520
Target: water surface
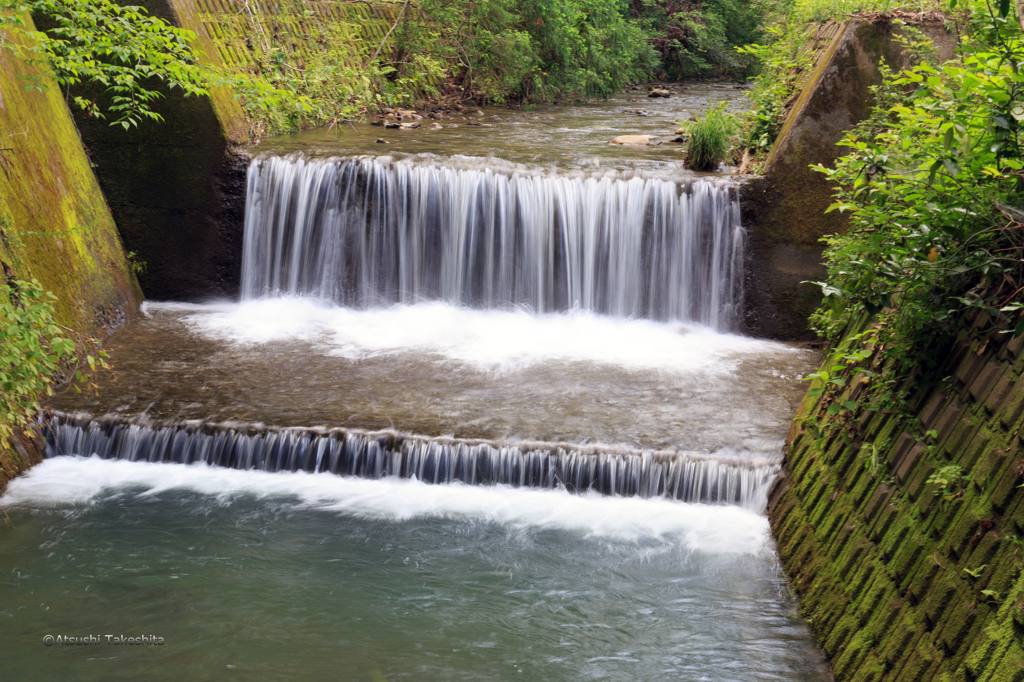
column 256, row 576
column 569, row 138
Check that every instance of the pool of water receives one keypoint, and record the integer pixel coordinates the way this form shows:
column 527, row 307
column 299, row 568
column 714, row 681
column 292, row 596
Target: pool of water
column 255, row 576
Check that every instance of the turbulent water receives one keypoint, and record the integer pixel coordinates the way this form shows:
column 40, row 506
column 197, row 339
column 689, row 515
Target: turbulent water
column 367, row 232
column 680, row 476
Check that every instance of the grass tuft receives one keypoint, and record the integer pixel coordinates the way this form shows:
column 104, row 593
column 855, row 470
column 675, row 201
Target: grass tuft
column 709, row 137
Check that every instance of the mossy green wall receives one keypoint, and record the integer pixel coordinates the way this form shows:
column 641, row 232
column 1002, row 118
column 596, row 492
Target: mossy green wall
column 54, row 223
column 244, row 34
column 897, row 582
column 47, row 186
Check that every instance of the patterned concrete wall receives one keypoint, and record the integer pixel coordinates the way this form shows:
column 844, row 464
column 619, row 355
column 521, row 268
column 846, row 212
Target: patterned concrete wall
column 900, row 579
column 246, row 32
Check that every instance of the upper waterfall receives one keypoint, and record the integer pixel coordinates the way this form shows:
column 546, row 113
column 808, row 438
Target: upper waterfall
column 366, row 231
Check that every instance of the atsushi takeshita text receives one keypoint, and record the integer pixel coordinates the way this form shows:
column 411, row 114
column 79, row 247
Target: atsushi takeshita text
column 88, row 640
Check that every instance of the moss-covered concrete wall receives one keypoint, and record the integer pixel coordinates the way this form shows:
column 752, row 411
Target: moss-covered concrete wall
column 245, row 34
column 784, row 208
column 900, row 578
column 54, row 223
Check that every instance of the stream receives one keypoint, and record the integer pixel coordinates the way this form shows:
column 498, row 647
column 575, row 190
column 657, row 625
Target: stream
column 479, row 413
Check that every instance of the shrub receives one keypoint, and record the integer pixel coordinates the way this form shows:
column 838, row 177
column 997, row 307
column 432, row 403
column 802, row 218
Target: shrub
column 31, row 349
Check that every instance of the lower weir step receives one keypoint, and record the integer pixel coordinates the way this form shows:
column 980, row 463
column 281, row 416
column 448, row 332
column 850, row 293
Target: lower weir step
column 578, row 468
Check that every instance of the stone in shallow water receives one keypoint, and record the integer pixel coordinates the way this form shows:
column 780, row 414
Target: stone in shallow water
column 636, row 140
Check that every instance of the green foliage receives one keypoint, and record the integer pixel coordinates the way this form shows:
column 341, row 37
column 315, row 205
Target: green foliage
column 933, row 184
column 32, row 347
column 697, row 39
column 532, row 50
column 709, row 137
column 782, row 59
column 121, row 55
column 119, row 49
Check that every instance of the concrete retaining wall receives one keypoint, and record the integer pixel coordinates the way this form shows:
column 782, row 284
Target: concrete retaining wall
column 898, row 582
column 54, row 222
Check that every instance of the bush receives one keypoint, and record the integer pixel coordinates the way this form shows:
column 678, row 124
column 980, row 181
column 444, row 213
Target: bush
column 933, row 182
column 31, row 349
column 539, row 50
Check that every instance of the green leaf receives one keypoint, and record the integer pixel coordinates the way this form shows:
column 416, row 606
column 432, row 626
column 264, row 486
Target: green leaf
column 851, row 405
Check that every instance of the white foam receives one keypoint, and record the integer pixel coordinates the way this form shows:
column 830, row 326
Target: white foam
column 72, row 481
column 487, row 339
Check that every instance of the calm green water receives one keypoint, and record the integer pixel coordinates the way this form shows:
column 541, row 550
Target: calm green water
column 257, row 576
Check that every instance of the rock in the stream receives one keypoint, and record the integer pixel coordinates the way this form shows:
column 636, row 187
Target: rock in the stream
column 632, row 140
column 435, row 126
column 409, row 125
column 392, row 124
column 659, row 92
column 381, row 140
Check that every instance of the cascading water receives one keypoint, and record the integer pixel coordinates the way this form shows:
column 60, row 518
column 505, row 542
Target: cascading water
column 679, row 476
column 367, row 232
column 398, row 458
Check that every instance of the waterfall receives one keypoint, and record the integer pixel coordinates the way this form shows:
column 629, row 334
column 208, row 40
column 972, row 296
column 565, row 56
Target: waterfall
column 610, row 471
column 372, row 231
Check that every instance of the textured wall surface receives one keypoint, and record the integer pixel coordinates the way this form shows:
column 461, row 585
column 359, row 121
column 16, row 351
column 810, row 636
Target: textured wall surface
column 897, row 581
column 54, row 222
column 244, row 33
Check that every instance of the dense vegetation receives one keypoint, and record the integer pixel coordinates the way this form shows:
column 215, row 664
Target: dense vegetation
column 499, row 50
column 933, row 181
